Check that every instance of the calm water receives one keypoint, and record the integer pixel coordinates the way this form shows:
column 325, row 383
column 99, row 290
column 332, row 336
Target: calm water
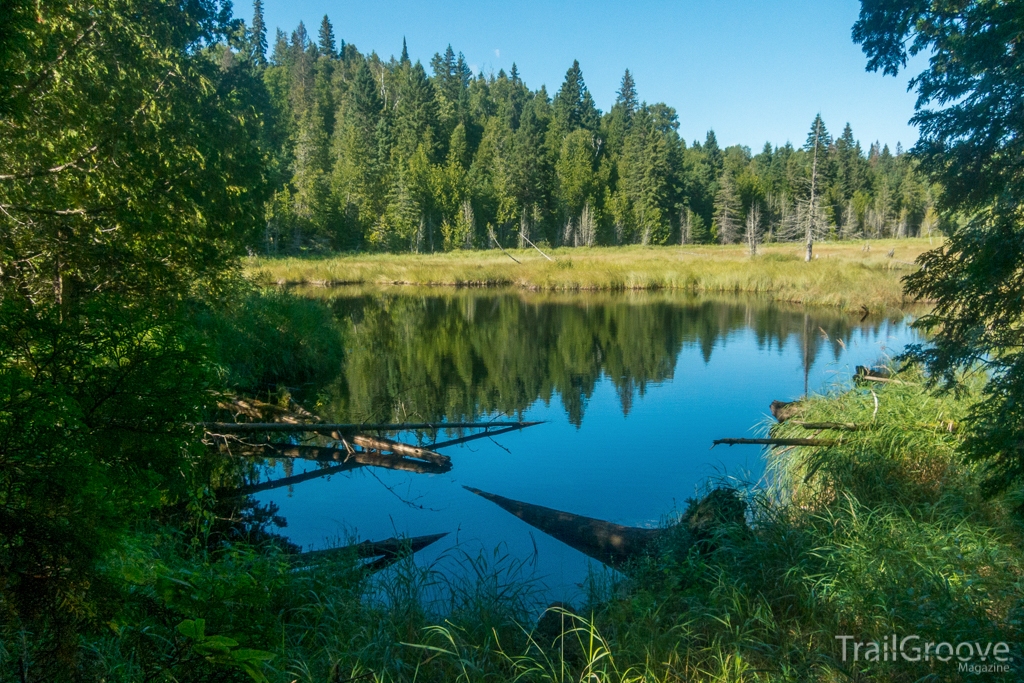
column 634, row 388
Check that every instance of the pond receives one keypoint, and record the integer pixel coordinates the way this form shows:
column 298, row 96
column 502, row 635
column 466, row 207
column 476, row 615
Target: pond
column 633, row 388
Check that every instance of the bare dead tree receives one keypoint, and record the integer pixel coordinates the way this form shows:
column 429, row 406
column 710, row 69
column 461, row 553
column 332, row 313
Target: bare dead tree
column 753, row 233
column 813, row 206
column 588, row 228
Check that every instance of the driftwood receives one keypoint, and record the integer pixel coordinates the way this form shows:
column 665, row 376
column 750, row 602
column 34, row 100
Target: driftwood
column 387, row 551
column 782, row 410
column 349, row 428
column 775, row 442
column 611, row 544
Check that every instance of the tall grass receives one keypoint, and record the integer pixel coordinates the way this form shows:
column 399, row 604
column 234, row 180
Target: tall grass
column 844, row 274
column 883, row 533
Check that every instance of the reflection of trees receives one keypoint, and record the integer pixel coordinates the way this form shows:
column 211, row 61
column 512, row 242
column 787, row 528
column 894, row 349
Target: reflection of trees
column 458, row 355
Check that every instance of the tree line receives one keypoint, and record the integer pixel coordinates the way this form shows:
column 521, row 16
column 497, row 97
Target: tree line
column 368, row 153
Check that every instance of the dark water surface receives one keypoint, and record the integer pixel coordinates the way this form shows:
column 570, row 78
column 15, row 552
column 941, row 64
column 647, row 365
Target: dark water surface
column 634, row 388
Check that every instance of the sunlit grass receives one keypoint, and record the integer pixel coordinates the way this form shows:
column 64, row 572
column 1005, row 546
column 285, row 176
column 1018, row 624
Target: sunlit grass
column 843, row 274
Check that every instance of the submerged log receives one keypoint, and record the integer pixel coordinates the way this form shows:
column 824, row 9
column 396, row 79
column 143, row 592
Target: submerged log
column 346, row 428
column 611, row 544
column 388, row 551
column 782, row 410
column 290, row 481
column 775, row 442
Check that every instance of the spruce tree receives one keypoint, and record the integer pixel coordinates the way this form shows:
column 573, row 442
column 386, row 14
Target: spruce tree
column 326, row 40
column 573, row 106
column 626, row 96
column 405, row 53
column 258, row 35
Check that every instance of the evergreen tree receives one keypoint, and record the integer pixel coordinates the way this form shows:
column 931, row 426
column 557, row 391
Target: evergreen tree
column 626, row 95
column 326, row 40
column 258, row 33
column 972, row 142
column 713, row 152
column 573, row 106
column 512, row 170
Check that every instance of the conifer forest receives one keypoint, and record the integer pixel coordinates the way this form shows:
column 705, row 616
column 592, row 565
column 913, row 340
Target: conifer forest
column 375, row 153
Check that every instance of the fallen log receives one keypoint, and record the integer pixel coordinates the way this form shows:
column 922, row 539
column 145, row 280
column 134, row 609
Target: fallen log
column 472, row 437
column 866, row 374
column 379, row 443
column 608, row 543
column 357, row 458
column 328, row 429
column 263, row 411
column 840, row 426
column 783, row 411
column 289, row 481
column 877, row 373
column 775, row 442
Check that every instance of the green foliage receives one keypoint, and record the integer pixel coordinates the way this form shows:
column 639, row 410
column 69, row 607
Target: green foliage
column 270, row 340
column 549, row 168
column 133, row 178
column 223, row 650
column 972, row 142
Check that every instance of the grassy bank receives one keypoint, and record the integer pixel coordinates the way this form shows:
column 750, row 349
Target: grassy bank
column 844, row 274
column 883, row 533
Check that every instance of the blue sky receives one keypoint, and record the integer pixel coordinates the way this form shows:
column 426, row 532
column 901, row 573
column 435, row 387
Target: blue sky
column 752, row 71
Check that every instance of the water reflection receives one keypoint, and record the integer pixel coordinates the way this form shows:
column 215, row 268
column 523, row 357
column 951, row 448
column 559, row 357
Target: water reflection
column 458, row 355
column 634, row 389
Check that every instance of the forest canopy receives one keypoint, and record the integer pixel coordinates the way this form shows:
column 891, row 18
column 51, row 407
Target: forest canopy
column 387, row 154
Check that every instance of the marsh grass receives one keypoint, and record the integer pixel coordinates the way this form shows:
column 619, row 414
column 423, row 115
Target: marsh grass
column 884, row 533
column 843, row 274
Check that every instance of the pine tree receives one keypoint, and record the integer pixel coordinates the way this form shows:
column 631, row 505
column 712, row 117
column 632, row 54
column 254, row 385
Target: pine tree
column 405, row 53
column 258, row 33
column 326, row 39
